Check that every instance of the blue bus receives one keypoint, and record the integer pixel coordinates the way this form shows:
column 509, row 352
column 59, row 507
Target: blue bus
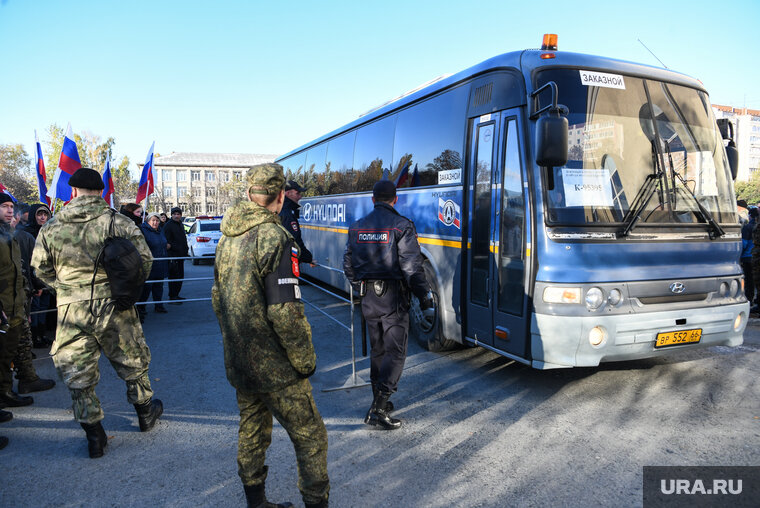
column 571, row 209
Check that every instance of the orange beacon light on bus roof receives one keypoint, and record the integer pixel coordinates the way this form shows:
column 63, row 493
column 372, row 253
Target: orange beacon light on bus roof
column 549, row 44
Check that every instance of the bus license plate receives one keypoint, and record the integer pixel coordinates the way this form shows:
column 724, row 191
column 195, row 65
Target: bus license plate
column 678, row 338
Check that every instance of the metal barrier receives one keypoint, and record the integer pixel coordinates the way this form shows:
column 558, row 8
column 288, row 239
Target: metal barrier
column 353, row 381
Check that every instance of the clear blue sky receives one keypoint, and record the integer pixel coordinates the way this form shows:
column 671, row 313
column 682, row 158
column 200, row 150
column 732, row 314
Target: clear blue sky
column 266, row 77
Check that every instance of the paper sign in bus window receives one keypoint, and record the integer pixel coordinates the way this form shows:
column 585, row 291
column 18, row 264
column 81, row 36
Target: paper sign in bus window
column 587, row 187
column 589, row 78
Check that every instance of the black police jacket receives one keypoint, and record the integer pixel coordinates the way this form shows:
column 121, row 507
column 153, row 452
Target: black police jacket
column 289, row 218
column 383, row 245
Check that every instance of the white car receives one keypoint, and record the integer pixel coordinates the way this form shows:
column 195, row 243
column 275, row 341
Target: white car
column 203, row 237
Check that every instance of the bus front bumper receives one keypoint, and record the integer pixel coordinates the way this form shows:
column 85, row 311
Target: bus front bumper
column 563, row 341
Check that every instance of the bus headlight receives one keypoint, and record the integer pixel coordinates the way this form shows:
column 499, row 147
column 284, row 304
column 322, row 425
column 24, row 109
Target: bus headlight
column 615, row 297
column 562, row 295
column 597, row 336
column 734, row 288
column 594, row 298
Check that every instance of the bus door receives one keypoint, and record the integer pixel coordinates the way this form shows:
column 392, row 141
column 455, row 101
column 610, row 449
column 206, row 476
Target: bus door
column 496, row 300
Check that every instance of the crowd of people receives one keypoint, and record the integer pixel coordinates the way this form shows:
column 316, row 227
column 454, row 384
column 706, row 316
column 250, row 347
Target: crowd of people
column 750, row 255
column 31, row 301
column 268, row 351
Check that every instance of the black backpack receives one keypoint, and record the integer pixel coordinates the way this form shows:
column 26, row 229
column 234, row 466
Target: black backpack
column 124, row 268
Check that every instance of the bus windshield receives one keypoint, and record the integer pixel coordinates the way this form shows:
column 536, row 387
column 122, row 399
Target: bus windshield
column 640, row 151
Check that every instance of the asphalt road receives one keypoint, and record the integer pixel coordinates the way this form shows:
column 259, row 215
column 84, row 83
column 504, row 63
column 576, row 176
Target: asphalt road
column 480, row 430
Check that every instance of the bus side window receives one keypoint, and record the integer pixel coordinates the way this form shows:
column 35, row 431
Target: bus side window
column 511, row 238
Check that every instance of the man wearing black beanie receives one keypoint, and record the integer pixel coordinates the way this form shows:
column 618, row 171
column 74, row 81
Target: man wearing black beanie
column 89, row 322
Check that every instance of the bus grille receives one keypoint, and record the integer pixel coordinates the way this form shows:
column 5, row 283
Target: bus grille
column 652, row 300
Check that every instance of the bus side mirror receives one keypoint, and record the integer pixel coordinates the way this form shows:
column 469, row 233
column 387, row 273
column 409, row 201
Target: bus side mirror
column 732, row 153
column 551, row 140
column 733, row 158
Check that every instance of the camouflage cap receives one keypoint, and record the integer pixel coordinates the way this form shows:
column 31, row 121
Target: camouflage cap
column 266, row 179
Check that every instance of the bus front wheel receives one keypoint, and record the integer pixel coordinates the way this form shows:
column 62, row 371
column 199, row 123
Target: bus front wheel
column 429, row 335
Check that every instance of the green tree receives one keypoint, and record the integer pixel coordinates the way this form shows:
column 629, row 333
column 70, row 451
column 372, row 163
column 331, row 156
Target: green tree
column 750, row 190
column 17, row 174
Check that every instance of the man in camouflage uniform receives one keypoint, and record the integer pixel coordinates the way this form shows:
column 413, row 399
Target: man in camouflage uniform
column 12, row 299
column 64, row 259
column 28, row 380
column 268, row 353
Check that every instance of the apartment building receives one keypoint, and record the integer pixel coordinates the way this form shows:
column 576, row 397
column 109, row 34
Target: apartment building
column 747, row 136
column 200, row 183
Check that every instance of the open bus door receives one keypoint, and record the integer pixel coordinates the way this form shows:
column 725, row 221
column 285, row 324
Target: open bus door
column 496, row 300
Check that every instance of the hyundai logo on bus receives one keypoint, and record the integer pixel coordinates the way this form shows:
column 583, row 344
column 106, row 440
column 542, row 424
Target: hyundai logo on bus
column 677, row 288
column 335, row 212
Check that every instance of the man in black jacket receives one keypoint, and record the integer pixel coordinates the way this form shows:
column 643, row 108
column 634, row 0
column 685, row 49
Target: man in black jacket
column 289, row 217
column 176, row 246
column 383, row 257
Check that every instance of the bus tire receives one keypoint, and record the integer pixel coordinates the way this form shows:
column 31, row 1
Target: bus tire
column 429, row 337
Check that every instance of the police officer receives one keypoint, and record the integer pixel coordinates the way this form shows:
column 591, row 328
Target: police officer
column 88, row 322
column 289, row 216
column 383, row 258
column 268, row 353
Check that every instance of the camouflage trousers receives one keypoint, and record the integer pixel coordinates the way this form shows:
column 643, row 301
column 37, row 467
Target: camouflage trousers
column 294, row 408
column 22, row 362
column 8, row 346
column 80, row 337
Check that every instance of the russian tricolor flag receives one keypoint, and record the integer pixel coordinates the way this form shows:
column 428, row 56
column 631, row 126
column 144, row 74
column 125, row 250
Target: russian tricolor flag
column 145, row 188
column 67, row 165
column 403, row 175
column 5, row 190
column 41, row 176
column 108, row 187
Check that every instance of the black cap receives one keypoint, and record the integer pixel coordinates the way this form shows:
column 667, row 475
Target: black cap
column 86, row 178
column 294, row 186
column 384, row 190
column 176, row 209
column 4, row 198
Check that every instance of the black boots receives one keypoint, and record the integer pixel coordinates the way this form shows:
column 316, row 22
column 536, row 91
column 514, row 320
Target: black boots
column 148, row 413
column 256, row 498
column 38, row 385
column 379, row 416
column 388, row 405
column 321, row 504
column 96, row 438
column 12, row 399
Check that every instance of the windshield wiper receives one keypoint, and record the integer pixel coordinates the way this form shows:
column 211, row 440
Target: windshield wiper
column 641, row 201
column 716, row 231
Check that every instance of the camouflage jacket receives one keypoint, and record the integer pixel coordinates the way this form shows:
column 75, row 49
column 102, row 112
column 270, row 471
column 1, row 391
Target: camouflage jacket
column 257, row 300
column 68, row 244
column 12, row 293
